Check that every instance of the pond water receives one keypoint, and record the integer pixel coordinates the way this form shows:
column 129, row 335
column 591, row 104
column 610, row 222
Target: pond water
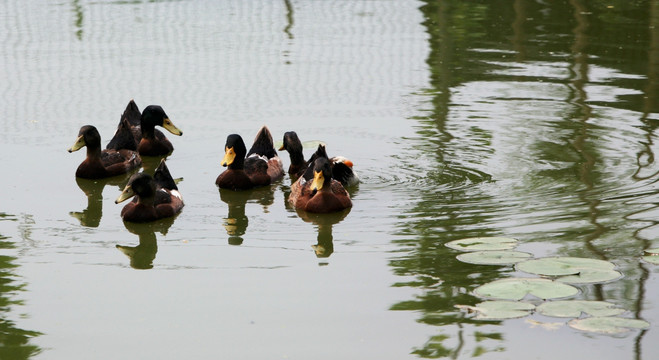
column 526, row 119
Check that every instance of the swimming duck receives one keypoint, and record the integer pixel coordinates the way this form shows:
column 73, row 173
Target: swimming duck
column 155, row 197
column 102, row 163
column 138, row 131
column 154, row 142
column 341, row 167
column 322, row 194
column 259, row 167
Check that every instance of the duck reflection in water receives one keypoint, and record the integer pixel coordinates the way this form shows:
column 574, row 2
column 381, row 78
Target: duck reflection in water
column 142, row 255
column 324, row 246
column 91, row 216
column 236, row 221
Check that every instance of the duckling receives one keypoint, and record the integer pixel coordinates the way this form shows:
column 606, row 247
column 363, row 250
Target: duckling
column 102, row 163
column 155, row 197
column 342, row 168
column 261, row 166
column 322, row 194
column 154, row 142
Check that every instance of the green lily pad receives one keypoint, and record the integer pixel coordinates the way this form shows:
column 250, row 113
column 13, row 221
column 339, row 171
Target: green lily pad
column 652, row 259
column 574, row 308
column 591, row 277
column 608, row 325
column 517, row 288
column 494, row 257
column 482, row 243
column 652, row 256
column 499, row 310
column 581, row 270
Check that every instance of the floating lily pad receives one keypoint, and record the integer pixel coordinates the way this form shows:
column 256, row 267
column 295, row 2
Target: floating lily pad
column 654, row 251
column 652, row 256
column 482, row 243
column 494, row 257
column 582, row 270
column 574, row 308
column 499, row 310
column 652, row 259
column 608, row 325
column 517, row 288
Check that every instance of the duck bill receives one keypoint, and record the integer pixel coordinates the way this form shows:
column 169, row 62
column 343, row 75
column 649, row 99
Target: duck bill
column 79, row 144
column 229, row 156
column 318, row 180
column 169, row 126
column 282, row 148
column 125, row 195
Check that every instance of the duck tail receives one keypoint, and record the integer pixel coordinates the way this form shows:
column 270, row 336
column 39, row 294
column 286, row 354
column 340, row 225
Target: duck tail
column 263, row 144
column 163, row 178
column 132, row 114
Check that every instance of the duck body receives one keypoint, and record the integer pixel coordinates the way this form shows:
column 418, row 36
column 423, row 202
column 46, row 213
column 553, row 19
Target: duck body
column 154, row 197
column 102, row 163
column 260, row 167
column 321, row 194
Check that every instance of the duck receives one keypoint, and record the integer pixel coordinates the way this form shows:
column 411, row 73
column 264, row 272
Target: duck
column 260, row 166
column 99, row 163
column 321, row 194
column 154, row 197
column 154, row 142
column 342, row 168
column 137, row 131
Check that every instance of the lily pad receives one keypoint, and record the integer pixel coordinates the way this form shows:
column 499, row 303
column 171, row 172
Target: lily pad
column 518, row 288
column 574, row 308
column 499, row 310
column 652, row 256
column 494, row 257
column 482, row 243
column 652, row 259
column 582, row 270
column 608, row 325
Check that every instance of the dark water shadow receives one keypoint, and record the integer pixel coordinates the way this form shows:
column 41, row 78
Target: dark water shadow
column 236, row 222
column 93, row 189
column 143, row 254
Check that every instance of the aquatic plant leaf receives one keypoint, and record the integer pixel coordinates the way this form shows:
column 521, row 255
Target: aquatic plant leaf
column 494, row 257
column 652, row 259
column 652, row 256
column 558, row 266
column 608, row 325
column 574, row 308
column 517, row 288
column 482, row 243
column 591, row 277
column 499, row 310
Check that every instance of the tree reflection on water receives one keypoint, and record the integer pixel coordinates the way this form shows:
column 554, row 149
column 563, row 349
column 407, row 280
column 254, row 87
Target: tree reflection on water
column 564, row 185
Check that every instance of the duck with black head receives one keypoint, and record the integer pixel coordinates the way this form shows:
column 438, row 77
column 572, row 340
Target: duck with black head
column 154, row 197
column 102, row 163
column 321, row 194
column 154, row 142
column 260, row 166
